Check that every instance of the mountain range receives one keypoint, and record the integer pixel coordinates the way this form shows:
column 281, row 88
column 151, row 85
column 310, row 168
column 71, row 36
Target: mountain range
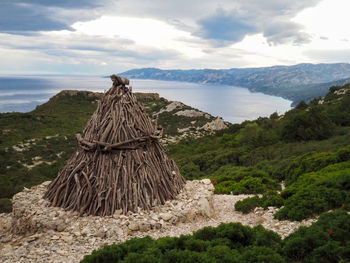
column 298, row 82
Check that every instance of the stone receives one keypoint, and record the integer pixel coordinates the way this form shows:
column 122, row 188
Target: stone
column 133, row 226
column 158, row 225
column 101, row 233
column 190, row 113
column 174, row 220
column 206, row 181
column 61, row 225
column 215, row 125
column 118, row 212
column 166, row 216
column 85, row 231
column 204, row 207
column 144, row 227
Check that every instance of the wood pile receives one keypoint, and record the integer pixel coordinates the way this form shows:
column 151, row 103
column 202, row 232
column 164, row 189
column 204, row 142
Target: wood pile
column 119, row 163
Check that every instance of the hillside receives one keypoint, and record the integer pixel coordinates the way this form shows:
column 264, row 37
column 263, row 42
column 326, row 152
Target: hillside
column 35, row 145
column 308, row 148
column 296, row 167
column 291, row 82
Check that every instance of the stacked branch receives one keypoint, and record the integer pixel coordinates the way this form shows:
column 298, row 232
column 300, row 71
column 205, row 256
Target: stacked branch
column 119, row 163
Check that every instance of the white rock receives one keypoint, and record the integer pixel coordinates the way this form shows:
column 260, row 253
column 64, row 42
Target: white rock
column 118, row 212
column 206, row 181
column 134, row 226
column 215, row 125
column 166, row 216
column 204, row 207
column 190, row 113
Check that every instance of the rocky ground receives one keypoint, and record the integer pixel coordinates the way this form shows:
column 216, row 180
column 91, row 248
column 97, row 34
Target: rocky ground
column 36, row 232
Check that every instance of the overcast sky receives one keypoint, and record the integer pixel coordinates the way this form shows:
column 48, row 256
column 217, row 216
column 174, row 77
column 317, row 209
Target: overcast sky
column 111, row 36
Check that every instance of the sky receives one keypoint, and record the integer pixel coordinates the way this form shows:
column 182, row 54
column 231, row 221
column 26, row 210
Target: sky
column 112, row 36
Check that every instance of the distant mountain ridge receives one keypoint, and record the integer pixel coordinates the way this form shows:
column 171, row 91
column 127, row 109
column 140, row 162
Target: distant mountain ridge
column 296, row 83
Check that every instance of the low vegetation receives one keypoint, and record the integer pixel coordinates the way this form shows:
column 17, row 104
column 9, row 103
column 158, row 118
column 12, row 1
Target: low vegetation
column 308, row 148
column 327, row 240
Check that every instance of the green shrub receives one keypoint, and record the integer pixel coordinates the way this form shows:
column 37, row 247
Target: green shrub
column 261, row 255
column 241, row 180
column 326, row 240
column 249, row 204
column 268, row 199
column 317, row 192
column 315, row 162
column 5, row 205
column 313, row 124
column 230, row 243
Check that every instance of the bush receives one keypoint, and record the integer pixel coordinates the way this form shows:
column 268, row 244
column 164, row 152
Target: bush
column 239, row 180
column 317, row 192
column 327, row 240
column 261, row 255
column 231, row 242
column 315, row 162
column 308, row 125
column 268, row 199
column 5, row 205
column 249, row 204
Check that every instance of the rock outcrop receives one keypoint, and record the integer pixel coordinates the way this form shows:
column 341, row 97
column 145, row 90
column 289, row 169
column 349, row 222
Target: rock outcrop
column 32, row 214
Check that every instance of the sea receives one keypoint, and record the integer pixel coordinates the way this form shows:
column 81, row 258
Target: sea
column 233, row 104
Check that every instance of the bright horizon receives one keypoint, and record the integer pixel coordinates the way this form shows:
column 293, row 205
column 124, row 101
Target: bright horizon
column 84, row 38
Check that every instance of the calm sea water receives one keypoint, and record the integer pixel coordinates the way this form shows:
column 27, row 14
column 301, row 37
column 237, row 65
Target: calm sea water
column 234, row 104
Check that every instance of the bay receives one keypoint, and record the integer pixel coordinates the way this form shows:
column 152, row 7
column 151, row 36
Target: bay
column 234, row 104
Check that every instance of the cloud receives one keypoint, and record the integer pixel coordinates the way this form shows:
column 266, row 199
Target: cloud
column 60, row 3
column 54, row 50
column 280, row 32
column 224, row 26
column 329, row 55
column 20, row 16
column 117, row 35
column 221, row 23
column 245, row 17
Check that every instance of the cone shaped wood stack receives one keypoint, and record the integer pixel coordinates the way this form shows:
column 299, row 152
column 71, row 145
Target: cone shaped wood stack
column 119, row 163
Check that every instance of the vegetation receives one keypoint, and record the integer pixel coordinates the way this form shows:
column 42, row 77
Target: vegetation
column 268, row 199
column 327, row 240
column 308, row 148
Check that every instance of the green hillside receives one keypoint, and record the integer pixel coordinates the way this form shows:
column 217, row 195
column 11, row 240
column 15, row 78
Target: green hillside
column 308, row 148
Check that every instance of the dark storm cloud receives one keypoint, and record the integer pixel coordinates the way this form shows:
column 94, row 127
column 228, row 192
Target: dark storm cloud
column 19, row 16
